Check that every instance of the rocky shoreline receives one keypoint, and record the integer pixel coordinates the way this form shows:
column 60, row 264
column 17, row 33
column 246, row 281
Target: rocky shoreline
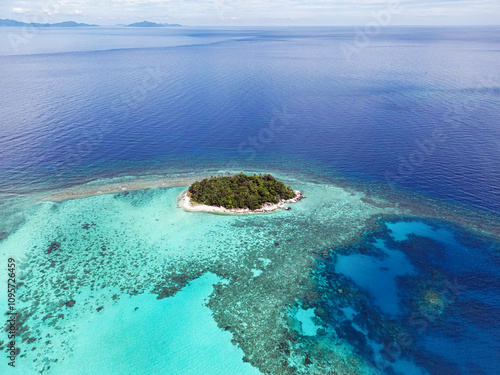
column 186, row 204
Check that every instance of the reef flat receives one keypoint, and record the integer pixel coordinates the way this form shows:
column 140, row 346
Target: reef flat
column 80, row 257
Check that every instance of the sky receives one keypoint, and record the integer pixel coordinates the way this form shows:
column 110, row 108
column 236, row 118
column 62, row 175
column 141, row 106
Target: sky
column 257, row 12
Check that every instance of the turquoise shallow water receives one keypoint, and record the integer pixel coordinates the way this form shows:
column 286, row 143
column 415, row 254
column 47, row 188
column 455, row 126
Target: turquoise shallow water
column 99, row 251
column 143, row 335
column 306, row 322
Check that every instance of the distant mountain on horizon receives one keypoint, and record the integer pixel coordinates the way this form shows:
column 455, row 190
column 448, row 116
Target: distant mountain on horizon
column 8, row 22
column 153, row 24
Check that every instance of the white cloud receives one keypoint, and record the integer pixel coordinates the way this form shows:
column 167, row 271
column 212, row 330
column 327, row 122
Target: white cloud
column 20, row 11
column 74, row 12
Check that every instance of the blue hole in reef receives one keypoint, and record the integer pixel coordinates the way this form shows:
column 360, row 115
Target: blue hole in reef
column 417, row 297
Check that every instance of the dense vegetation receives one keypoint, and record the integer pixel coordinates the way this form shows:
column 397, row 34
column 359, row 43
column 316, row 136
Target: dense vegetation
column 240, row 191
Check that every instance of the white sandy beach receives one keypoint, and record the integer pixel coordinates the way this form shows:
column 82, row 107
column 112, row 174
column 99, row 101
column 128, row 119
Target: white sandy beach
column 186, row 204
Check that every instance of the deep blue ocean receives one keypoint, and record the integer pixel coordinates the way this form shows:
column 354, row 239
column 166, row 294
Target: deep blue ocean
column 414, row 109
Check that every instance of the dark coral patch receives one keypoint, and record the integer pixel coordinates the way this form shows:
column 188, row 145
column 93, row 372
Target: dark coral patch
column 53, row 247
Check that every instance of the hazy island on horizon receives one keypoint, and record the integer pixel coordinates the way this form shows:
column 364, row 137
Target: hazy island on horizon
column 153, row 24
column 14, row 23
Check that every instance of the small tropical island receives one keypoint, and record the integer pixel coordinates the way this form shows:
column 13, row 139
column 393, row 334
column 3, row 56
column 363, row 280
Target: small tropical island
column 239, row 193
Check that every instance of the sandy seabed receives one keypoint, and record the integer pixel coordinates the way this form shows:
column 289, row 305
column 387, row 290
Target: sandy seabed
column 87, row 190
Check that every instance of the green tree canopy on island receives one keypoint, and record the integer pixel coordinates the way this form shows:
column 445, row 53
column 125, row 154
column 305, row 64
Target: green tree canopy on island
column 240, row 191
